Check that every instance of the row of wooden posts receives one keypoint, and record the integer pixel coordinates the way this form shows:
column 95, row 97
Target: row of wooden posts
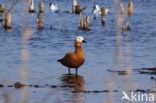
column 6, row 22
column 39, row 18
column 84, row 23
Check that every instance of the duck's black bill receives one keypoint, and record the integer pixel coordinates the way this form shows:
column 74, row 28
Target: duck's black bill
column 84, row 41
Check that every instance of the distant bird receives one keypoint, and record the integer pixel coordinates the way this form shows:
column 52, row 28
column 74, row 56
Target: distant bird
column 74, row 59
column 96, row 11
column 79, row 9
column 53, row 7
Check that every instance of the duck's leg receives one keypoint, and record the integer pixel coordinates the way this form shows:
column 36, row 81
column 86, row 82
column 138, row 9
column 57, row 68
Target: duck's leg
column 94, row 17
column 76, row 71
column 69, row 71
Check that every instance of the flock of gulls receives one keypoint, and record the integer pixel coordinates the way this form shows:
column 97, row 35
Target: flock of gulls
column 73, row 59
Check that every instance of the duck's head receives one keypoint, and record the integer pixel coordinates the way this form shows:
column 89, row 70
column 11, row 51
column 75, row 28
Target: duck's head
column 79, row 40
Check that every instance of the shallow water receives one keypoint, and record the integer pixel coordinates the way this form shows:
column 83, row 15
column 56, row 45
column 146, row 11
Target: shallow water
column 104, row 51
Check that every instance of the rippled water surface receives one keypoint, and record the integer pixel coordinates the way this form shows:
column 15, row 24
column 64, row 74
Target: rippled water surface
column 107, row 51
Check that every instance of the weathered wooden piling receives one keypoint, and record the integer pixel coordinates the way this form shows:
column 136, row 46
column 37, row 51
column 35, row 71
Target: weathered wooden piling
column 41, row 6
column 103, row 16
column 40, row 21
column 31, row 6
column 6, row 22
column 130, row 8
column 1, row 8
column 122, row 8
column 73, row 6
column 81, row 21
column 87, row 24
column 126, row 28
column 84, row 23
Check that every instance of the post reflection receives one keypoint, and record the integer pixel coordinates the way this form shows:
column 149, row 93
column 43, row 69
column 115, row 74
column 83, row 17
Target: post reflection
column 74, row 84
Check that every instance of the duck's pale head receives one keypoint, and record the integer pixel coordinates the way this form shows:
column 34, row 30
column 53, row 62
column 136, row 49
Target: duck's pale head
column 79, row 40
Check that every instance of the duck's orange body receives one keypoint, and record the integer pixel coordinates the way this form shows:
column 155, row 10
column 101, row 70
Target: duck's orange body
column 74, row 59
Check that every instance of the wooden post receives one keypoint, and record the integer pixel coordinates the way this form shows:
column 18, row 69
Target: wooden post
column 40, row 21
column 73, row 6
column 41, row 6
column 122, row 8
column 130, row 8
column 103, row 16
column 84, row 23
column 81, row 22
column 87, row 24
column 128, row 27
column 7, row 21
column 1, row 8
column 31, row 6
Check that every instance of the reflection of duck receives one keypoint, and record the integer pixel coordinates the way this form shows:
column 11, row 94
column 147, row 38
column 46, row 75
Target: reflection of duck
column 122, row 8
column 75, row 81
column 74, row 84
column 74, row 59
column 53, row 7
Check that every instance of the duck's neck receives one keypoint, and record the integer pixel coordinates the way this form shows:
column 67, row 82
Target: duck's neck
column 78, row 50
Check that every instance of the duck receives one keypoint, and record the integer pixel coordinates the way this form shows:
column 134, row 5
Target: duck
column 79, row 9
column 53, row 7
column 130, row 8
column 74, row 59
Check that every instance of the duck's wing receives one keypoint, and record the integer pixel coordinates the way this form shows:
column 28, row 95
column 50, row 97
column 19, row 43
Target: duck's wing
column 67, row 57
column 69, row 60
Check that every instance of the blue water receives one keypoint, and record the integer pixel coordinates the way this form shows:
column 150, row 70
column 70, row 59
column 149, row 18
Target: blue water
column 137, row 49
